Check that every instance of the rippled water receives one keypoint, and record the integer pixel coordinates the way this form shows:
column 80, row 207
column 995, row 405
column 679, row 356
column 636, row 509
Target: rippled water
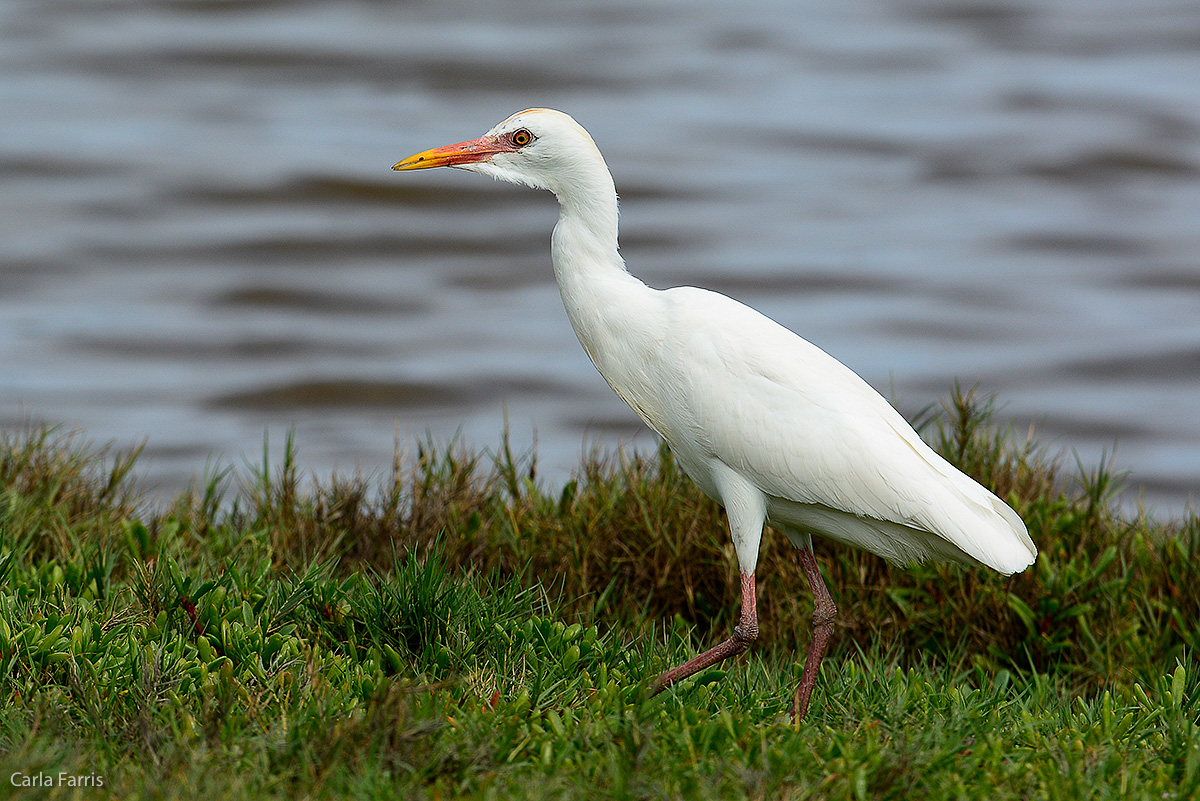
column 201, row 239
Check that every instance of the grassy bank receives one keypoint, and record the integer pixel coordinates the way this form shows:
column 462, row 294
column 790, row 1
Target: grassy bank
column 454, row 630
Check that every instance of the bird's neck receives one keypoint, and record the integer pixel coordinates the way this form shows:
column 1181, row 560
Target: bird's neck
column 587, row 222
column 600, row 296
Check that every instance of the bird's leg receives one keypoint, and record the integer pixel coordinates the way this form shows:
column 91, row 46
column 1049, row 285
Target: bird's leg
column 823, row 614
column 744, row 633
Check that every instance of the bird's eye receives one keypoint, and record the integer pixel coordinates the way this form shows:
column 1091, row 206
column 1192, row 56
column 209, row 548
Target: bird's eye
column 521, row 137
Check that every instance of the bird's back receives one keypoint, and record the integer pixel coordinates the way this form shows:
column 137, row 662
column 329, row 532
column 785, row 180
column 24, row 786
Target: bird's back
column 831, row 456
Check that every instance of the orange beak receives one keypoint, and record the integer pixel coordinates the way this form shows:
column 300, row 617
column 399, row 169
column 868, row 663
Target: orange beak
column 470, row 152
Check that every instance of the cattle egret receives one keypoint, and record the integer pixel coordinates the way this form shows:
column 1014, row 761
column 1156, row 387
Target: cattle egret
column 767, row 424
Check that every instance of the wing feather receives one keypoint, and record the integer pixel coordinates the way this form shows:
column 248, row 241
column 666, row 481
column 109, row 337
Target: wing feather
column 808, row 431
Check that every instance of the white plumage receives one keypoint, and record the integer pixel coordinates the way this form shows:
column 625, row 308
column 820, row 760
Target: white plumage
column 767, row 424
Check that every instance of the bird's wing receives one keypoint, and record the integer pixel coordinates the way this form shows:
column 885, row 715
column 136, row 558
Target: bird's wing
column 803, row 427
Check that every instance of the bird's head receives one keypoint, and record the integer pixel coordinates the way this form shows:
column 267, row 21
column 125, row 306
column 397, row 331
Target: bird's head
column 538, row 147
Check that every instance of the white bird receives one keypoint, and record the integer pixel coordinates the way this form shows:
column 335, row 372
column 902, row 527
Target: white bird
column 767, row 424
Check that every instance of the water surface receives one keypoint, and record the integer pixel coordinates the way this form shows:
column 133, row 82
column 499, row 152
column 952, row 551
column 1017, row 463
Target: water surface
column 201, row 239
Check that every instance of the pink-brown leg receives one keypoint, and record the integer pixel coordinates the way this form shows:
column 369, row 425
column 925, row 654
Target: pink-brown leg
column 823, row 614
column 744, row 633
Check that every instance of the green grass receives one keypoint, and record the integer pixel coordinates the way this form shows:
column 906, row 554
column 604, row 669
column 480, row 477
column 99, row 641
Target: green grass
column 452, row 629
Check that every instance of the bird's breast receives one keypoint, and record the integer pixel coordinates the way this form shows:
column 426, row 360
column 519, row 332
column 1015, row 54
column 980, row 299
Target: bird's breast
column 632, row 353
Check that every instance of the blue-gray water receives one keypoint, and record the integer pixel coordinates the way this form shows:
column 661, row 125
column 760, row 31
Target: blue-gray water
column 201, row 239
